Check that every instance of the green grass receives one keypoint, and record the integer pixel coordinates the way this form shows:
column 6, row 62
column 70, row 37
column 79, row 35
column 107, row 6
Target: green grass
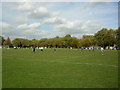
column 61, row 69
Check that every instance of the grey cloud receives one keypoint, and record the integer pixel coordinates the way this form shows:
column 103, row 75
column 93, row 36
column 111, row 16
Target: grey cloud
column 78, row 28
column 54, row 20
column 30, row 26
column 39, row 13
column 20, row 20
column 26, row 6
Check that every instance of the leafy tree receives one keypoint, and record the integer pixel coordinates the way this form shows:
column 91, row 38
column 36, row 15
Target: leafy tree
column 43, row 42
column 67, row 41
column 68, row 35
column 105, row 37
column 16, row 42
column 110, row 38
column 73, row 42
column 57, row 37
column 7, row 42
column 86, row 42
column 93, row 41
column 60, row 42
column 80, row 43
column 1, row 40
column 34, row 43
column 25, row 42
column 117, row 32
column 88, row 36
column 20, row 42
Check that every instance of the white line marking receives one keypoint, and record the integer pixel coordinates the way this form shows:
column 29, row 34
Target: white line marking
column 56, row 60
column 85, row 63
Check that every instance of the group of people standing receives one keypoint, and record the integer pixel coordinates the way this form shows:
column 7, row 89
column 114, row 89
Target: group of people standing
column 41, row 49
column 34, row 49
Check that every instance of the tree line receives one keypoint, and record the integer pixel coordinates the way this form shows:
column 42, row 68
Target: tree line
column 104, row 37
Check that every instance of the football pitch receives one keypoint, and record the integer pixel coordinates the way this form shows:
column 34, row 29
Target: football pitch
column 21, row 68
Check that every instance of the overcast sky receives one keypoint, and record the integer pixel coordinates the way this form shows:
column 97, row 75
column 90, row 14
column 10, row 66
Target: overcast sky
column 49, row 19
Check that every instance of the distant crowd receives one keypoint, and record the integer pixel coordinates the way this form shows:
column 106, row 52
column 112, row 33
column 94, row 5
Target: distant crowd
column 82, row 48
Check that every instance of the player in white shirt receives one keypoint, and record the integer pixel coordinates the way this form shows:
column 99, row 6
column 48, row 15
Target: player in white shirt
column 102, row 50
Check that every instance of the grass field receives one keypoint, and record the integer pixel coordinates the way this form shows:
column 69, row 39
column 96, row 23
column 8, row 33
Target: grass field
column 61, row 69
